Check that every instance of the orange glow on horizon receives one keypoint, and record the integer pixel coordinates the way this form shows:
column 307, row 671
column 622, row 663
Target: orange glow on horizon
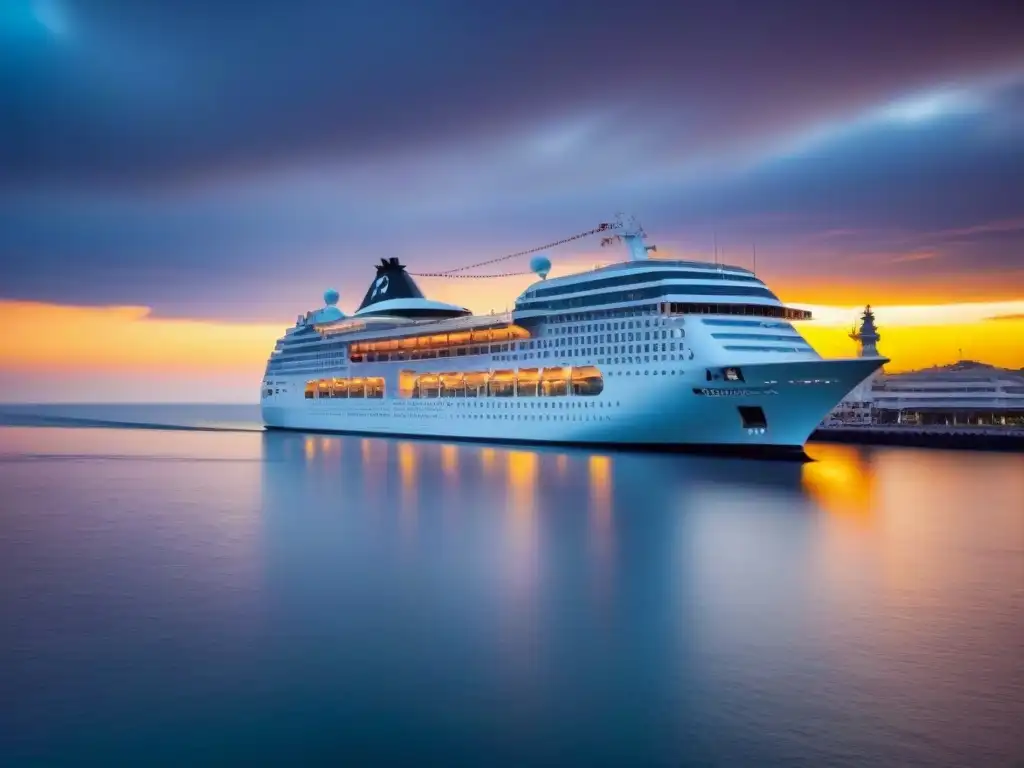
column 120, row 345
column 996, row 342
column 963, row 289
column 66, row 338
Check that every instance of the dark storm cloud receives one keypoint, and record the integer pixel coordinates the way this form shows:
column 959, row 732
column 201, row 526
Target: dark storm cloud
column 948, row 178
column 210, row 161
column 135, row 92
column 881, row 197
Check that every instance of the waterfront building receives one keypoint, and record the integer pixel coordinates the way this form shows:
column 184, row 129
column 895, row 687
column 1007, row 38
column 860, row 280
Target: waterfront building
column 961, row 394
column 964, row 393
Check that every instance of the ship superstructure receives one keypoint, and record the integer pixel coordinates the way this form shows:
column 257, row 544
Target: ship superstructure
column 646, row 352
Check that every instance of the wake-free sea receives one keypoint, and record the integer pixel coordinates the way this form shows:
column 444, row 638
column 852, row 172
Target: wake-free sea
column 179, row 587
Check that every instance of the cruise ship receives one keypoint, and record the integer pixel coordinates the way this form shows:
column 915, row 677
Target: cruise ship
column 646, row 353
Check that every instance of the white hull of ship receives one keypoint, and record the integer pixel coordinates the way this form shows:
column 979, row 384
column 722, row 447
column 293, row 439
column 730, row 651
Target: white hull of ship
column 654, row 411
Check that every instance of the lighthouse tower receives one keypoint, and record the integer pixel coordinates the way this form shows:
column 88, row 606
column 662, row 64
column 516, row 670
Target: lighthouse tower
column 855, row 408
column 867, row 337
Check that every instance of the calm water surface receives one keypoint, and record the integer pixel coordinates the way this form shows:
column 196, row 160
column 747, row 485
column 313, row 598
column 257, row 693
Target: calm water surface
column 188, row 597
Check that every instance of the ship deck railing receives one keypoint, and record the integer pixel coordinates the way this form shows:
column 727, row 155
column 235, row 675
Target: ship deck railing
column 405, row 326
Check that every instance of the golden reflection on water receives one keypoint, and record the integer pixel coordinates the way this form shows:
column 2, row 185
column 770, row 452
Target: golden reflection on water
column 450, row 461
column 841, row 480
column 320, row 448
column 522, row 550
column 561, row 465
column 489, row 460
column 407, row 464
column 374, row 458
column 407, row 469
column 520, row 503
column 600, row 485
column 932, row 574
column 964, row 499
column 520, row 564
column 599, row 471
column 522, row 481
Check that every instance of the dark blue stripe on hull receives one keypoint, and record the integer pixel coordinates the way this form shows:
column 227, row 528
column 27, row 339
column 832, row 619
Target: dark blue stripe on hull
column 783, row 452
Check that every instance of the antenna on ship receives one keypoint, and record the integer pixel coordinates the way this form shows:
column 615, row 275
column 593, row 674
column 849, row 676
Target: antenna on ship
column 626, row 230
column 539, row 265
column 754, row 247
column 632, row 234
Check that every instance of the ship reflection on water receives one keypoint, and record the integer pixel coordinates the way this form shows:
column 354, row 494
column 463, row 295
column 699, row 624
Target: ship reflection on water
column 871, row 591
column 275, row 597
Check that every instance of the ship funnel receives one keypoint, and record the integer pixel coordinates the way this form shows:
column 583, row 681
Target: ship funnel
column 391, row 282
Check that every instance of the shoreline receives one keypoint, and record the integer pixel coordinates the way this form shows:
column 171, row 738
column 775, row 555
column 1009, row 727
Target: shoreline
column 918, row 437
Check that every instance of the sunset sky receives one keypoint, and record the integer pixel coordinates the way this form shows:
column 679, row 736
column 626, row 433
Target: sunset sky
column 179, row 180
